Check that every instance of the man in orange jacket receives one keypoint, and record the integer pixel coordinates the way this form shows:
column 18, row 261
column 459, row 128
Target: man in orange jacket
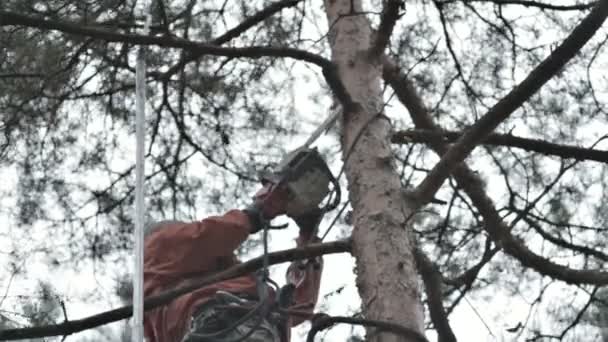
column 175, row 252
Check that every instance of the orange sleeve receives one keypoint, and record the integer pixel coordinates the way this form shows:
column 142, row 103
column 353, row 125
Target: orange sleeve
column 307, row 293
column 189, row 248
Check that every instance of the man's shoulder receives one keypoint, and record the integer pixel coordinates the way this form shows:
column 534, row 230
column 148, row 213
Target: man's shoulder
column 155, row 226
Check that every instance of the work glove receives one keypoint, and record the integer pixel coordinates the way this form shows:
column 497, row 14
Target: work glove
column 268, row 202
column 308, row 223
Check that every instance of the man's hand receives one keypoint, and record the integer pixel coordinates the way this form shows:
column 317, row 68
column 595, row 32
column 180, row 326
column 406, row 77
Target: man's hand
column 309, row 223
column 271, row 200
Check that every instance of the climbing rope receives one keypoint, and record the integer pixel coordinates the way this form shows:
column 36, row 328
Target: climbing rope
column 140, row 115
column 259, row 312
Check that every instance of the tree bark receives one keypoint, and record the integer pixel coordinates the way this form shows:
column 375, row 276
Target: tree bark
column 382, row 237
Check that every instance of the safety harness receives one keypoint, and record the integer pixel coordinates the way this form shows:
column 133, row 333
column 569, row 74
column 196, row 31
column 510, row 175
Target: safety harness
column 306, row 176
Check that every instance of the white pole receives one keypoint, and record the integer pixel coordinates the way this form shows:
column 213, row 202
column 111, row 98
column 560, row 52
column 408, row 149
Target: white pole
column 140, row 116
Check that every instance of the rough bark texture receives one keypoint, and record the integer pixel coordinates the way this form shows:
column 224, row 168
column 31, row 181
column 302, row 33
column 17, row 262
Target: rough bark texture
column 382, row 238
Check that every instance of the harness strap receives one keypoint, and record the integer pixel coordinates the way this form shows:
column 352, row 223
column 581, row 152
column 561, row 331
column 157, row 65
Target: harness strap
column 215, row 321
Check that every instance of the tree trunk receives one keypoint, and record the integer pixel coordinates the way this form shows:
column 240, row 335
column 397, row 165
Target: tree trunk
column 382, row 236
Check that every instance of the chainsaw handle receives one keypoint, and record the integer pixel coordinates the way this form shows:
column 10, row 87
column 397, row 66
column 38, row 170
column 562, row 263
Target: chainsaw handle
column 331, row 205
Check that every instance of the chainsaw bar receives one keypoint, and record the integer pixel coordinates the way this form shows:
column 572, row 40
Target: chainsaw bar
column 323, row 128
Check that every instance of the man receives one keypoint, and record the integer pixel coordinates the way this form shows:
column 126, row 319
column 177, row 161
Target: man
column 175, row 252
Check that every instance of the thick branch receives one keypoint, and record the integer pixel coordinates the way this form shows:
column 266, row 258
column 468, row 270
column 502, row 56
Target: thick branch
column 331, row 76
column 10, row 18
column 473, row 186
column 322, row 322
column 432, row 285
column 530, row 3
column 390, row 15
column 508, row 140
column 71, row 327
column 500, row 233
column 518, row 96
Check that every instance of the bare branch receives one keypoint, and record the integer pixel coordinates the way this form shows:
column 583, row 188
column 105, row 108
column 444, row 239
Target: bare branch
column 508, row 140
column 513, row 246
column 15, row 19
column 329, row 69
column 389, row 18
column 237, row 30
column 518, row 96
column 432, row 285
column 254, row 20
column 448, row 43
column 580, row 314
column 71, row 327
column 529, row 3
column 473, row 186
column 323, row 321
column 468, row 277
column 563, row 243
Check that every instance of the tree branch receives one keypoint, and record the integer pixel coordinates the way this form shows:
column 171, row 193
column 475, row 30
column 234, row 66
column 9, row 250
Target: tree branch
column 508, row 140
column 580, row 314
column 329, row 69
column 432, row 285
column 71, row 327
column 254, row 20
column 565, row 244
column 518, row 96
column 529, row 3
column 469, row 276
column 388, row 19
column 237, row 31
column 322, row 321
column 474, row 188
column 15, row 19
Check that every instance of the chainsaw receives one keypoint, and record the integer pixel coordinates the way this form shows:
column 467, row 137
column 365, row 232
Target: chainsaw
column 306, row 176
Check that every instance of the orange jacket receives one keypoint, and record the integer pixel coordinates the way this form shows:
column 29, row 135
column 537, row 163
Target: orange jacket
column 183, row 250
